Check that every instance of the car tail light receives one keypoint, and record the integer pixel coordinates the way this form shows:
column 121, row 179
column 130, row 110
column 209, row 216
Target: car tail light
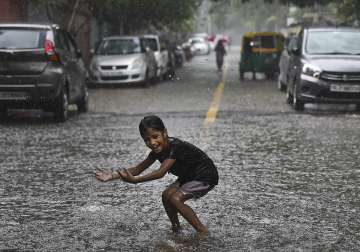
column 50, row 51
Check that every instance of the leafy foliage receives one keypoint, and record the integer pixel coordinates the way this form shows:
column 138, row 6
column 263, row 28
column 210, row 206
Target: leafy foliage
column 348, row 11
column 133, row 15
column 300, row 3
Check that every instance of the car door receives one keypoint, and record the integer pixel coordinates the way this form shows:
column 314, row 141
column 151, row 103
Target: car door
column 149, row 57
column 164, row 56
column 75, row 61
column 62, row 48
column 152, row 43
column 78, row 67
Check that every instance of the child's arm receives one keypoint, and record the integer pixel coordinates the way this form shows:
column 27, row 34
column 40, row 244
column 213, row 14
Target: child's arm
column 136, row 170
column 159, row 173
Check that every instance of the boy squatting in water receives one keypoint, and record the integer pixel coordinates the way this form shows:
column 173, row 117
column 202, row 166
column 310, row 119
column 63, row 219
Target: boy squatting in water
column 196, row 172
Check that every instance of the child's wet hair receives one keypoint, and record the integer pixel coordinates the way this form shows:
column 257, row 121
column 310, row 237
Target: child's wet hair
column 153, row 122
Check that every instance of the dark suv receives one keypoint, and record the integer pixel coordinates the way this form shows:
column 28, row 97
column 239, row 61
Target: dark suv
column 324, row 67
column 41, row 67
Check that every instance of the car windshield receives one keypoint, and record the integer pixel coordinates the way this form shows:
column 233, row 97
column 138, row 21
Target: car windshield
column 119, row 46
column 21, row 38
column 333, row 42
column 151, row 43
column 197, row 40
column 264, row 42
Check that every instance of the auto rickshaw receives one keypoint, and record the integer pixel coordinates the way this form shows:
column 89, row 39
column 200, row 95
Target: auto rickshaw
column 260, row 52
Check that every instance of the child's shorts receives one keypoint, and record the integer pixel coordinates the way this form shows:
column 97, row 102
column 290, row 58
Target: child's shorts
column 196, row 189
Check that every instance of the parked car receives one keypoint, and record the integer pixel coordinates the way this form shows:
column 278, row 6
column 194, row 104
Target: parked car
column 201, row 35
column 41, row 67
column 161, row 52
column 324, row 67
column 284, row 65
column 122, row 59
column 199, row 46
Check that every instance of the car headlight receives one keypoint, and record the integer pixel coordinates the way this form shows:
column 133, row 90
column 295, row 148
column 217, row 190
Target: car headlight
column 137, row 64
column 94, row 66
column 311, row 70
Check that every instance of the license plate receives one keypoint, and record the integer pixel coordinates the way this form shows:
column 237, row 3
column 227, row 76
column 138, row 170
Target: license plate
column 345, row 88
column 112, row 73
column 13, row 96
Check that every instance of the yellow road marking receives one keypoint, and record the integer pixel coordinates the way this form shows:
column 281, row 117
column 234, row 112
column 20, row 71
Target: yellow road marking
column 214, row 106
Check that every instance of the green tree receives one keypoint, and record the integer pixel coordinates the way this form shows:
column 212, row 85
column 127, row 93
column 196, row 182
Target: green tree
column 129, row 16
column 347, row 11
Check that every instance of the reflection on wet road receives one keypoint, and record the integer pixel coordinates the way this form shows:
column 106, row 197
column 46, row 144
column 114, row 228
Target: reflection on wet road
column 288, row 181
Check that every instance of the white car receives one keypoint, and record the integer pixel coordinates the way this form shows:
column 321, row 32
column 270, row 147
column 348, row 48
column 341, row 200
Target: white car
column 161, row 54
column 122, row 59
column 199, row 46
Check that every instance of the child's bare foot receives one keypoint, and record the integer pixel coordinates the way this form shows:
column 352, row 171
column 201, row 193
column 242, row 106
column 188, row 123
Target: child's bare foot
column 202, row 234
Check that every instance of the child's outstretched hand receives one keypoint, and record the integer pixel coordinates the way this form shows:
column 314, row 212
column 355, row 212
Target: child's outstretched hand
column 104, row 175
column 127, row 176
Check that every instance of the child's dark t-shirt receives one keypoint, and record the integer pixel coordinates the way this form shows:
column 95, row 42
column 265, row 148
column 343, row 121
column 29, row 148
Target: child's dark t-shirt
column 191, row 162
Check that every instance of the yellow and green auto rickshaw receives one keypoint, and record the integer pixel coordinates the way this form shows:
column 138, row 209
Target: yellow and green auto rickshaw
column 260, row 52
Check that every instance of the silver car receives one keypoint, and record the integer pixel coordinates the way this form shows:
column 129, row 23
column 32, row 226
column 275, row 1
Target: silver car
column 122, row 59
column 199, row 46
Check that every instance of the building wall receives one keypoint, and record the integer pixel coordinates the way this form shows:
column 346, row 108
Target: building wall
column 12, row 11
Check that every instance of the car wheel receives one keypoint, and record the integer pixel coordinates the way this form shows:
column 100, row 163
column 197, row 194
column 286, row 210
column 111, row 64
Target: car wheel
column 62, row 107
column 3, row 111
column 83, row 104
column 241, row 75
column 161, row 75
column 154, row 78
column 147, row 81
column 272, row 75
column 169, row 73
column 298, row 105
column 289, row 96
column 172, row 73
column 280, row 86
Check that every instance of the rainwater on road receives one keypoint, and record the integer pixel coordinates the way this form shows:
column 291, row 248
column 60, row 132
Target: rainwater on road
column 289, row 181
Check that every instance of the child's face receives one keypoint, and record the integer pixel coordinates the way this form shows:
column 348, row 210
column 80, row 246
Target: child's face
column 156, row 140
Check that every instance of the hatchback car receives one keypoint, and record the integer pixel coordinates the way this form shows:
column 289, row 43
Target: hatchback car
column 41, row 67
column 199, row 46
column 122, row 59
column 324, row 67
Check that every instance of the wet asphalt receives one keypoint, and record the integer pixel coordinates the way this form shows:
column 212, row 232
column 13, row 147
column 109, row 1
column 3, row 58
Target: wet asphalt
column 289, row 181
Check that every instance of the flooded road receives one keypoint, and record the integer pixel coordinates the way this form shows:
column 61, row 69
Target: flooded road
column 289, row 181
